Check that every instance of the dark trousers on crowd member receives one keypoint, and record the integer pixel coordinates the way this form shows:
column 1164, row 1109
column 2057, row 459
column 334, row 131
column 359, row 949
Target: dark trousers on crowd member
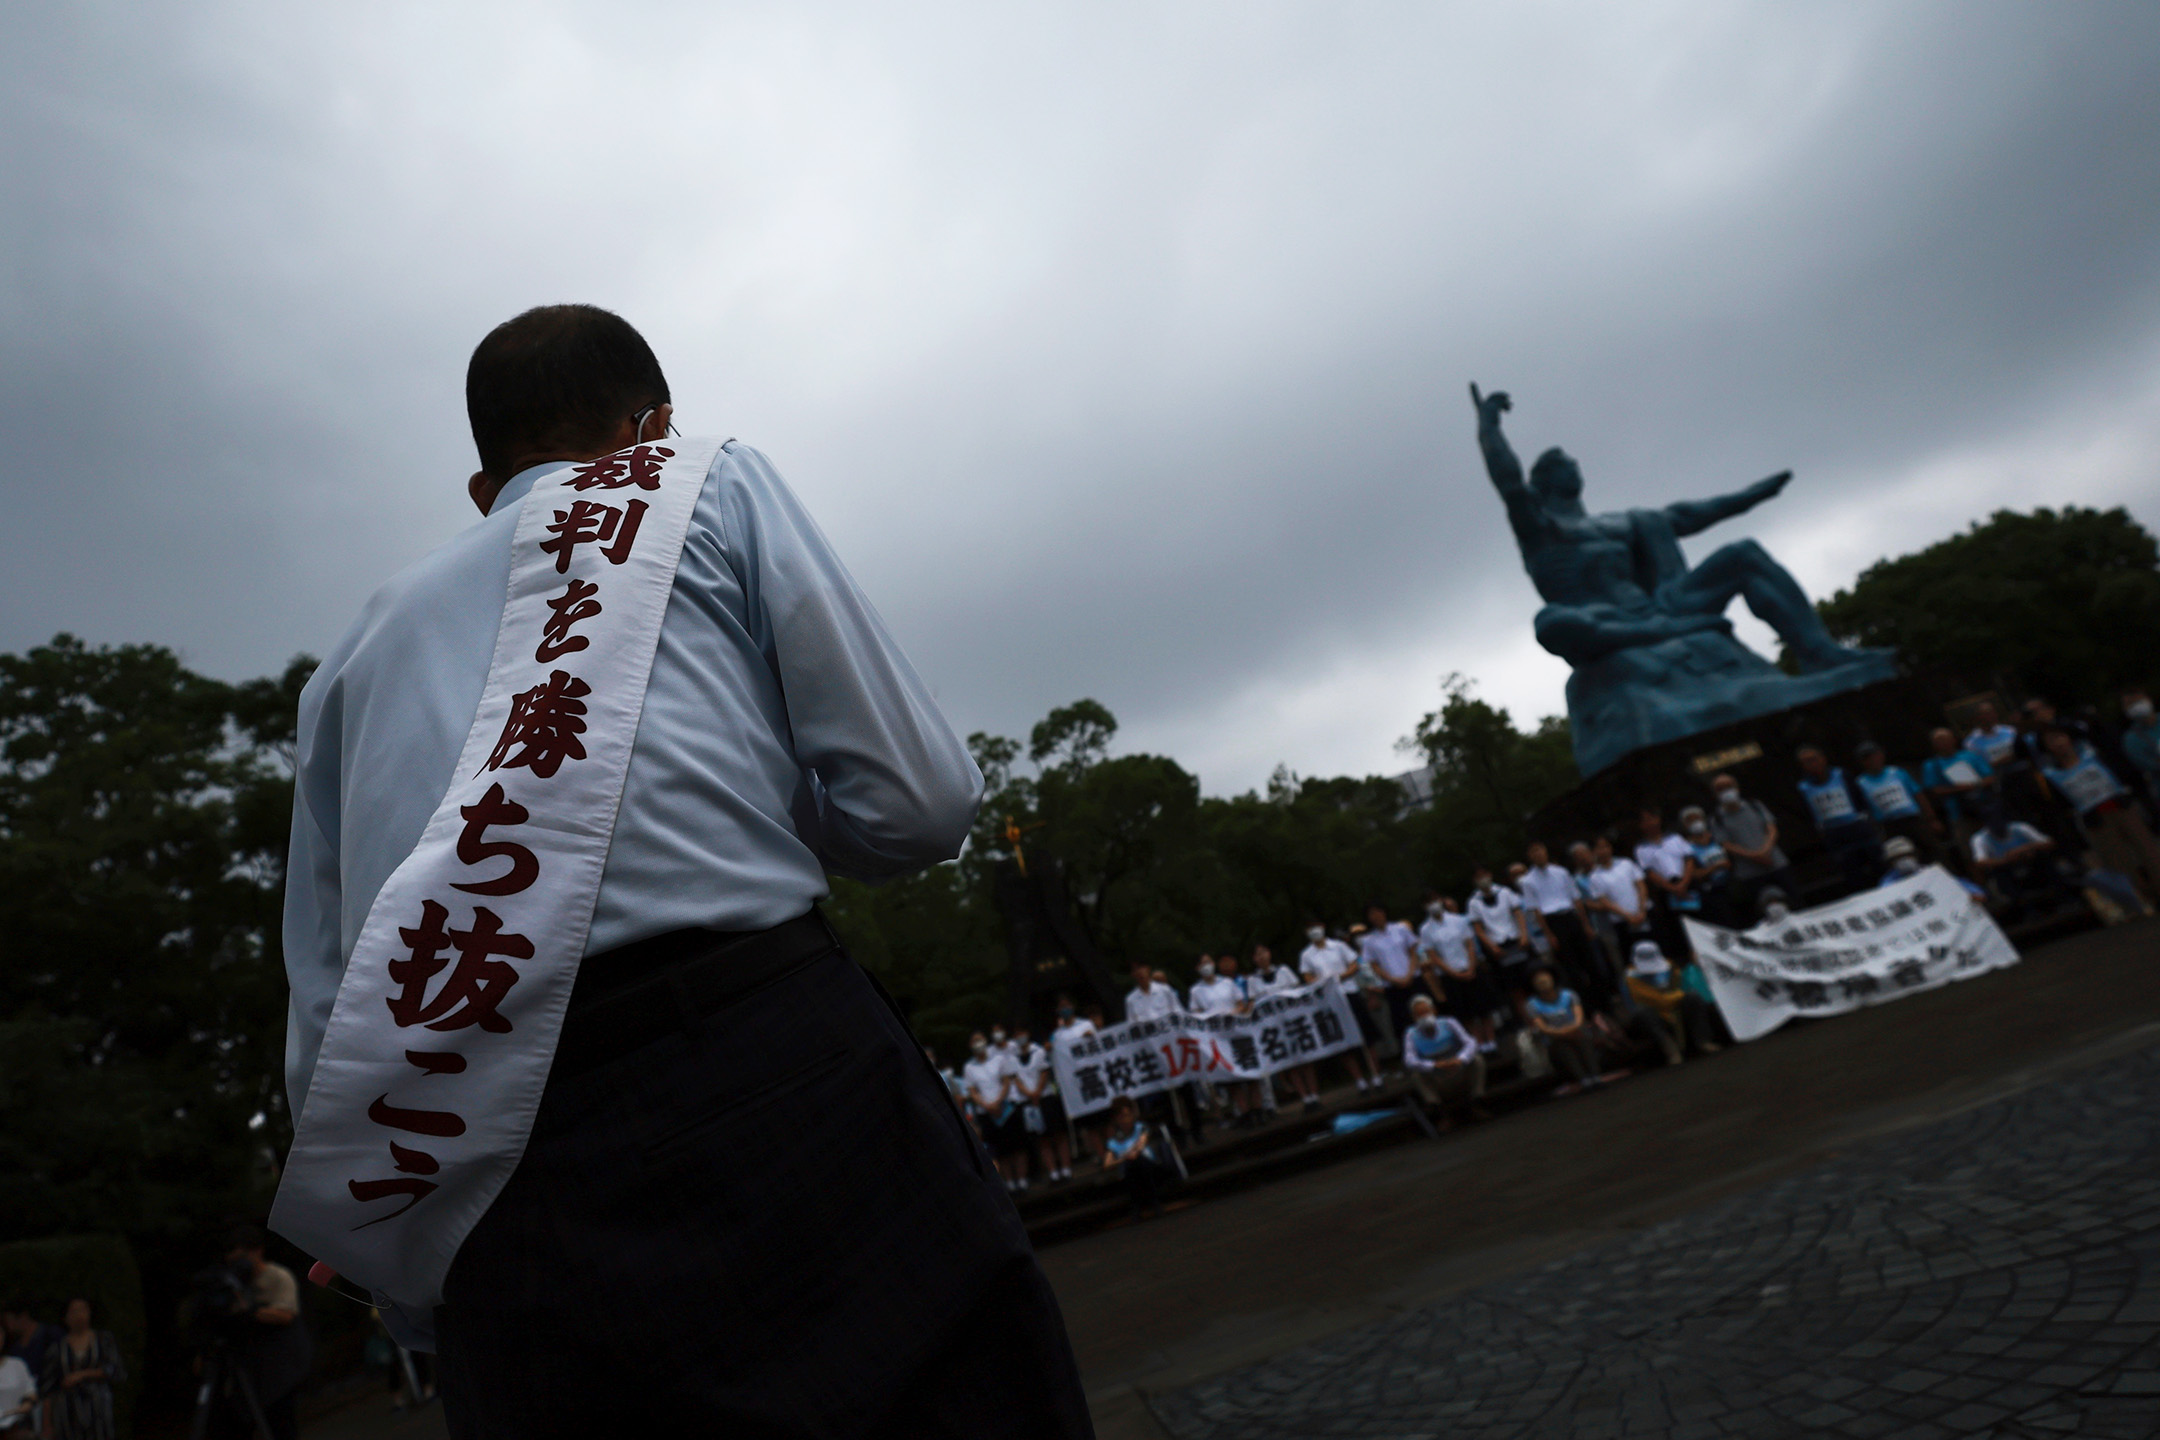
column 766, row 1220
column 1146, row 1178
column 1666, row 929
column 1398, row 1005
column 1573, row 1055
column 1581, row 959
column 1857, row 849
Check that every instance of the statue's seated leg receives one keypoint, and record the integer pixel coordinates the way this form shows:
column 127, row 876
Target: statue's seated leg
column 1745, row 569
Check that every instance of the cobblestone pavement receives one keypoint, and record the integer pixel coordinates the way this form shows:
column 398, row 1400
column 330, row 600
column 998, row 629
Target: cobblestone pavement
column 1996, row 1273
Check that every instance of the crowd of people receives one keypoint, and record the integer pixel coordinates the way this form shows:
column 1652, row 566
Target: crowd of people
column 1584, row 970
column 58, row 1380
column 61, row 1381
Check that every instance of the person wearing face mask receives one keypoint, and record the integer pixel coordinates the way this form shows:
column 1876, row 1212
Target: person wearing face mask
column 1042, row 1112
column 1071, row 1028
column 1390, row 947
column 1269, row 978
column 1217, row 990
column 1749, row 833
column 1502, row 925
column 1906, row 861
column 1776, row 906
column 1713, row 870
column 1444, row 1064
column 1450, row 943
column 990, row 1078
column 1618, row 891
column 1325, row 958
column 1000, row 1041
column 1678, row 1018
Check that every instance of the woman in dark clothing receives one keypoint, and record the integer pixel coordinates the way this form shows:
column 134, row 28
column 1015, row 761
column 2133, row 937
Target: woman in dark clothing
column 81, row 1369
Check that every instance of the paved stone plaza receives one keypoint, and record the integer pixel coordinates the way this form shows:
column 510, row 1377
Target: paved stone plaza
column 1997, row 1272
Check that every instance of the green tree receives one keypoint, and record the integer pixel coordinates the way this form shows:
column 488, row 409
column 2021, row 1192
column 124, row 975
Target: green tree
column 143, row 815
column 2064, row 603
column 1487, row 778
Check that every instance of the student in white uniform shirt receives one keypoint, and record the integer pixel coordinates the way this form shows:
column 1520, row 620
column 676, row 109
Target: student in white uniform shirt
column 1391, row 948
column 1269, row 978
column 1042, row 1113
column 1668, row 866
column 1072, row 1026
column 1220, row 990
column 1149, row 999
column 1615, row 889
column 1503, row 927
column 1451, row 941
column 1552, row 892
column 1326, row 958
column 990, row 1077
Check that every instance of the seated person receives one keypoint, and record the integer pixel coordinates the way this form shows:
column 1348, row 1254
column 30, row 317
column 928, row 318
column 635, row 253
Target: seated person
column 1904, row 858
column 2117, row 832
column 1557, row 1017
column 1443, row 1063
column 1679, row 1017
column 2023, row 869
column 1133, row 1151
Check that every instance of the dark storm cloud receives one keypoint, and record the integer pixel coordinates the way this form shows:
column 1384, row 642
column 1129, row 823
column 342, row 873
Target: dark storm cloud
column 1122, row 351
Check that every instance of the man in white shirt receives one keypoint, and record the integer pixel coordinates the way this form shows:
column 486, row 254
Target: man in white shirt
column 782, row 736
column 1551, row 891
column 1503, row 928
column 1616, row 889
column 1042, row 1112
column 1450, row 942
column 1326, row 958
column 1391, row 948
column 991, row 1078
column 1667, row 863
column 1213, row 993
column 1149, row 999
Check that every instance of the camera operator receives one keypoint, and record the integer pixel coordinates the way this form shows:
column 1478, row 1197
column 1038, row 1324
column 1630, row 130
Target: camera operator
column 272, row 1344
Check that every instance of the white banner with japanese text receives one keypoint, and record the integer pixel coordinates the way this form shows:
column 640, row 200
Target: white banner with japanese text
column 1863, row 950
column 444, row 1028
column 1141, row 1057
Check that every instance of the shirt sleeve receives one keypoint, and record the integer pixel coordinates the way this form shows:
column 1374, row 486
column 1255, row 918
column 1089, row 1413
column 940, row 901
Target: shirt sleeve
column 314, row 895
column 894, row 789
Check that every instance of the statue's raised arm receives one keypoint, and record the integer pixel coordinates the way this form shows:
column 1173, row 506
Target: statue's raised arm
column 1691, row 516
column 1524, row 512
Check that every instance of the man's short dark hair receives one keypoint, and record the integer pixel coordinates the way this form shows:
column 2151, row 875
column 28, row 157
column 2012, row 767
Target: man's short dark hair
column 558, row 377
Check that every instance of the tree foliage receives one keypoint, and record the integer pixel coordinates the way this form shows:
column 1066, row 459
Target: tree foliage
column 143, row 816
column 2063, row 603
column 1160, row 872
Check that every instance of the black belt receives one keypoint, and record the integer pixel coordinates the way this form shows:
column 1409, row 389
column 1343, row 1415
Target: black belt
column 629, row 996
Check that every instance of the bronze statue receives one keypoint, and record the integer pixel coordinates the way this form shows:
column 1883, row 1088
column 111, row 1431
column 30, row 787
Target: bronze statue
column 1654, row 657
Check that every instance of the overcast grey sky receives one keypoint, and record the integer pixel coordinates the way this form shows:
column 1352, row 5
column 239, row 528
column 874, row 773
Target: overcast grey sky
column 1120, row 348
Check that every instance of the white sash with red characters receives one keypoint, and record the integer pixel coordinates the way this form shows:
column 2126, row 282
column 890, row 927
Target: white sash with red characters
column 445, row 1025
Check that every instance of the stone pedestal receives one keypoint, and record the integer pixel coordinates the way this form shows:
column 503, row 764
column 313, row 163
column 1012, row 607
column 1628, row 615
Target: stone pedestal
column 1678, row 689
column 1757, row 751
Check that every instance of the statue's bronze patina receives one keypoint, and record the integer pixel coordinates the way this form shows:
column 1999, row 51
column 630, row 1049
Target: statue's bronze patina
column 1654, row 657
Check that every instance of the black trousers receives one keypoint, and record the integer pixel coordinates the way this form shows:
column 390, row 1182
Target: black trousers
column 770, row 1222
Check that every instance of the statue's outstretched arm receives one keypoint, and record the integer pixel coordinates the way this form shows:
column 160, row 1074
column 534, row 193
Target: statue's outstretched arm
column 1524, row 512
column 1689, row 516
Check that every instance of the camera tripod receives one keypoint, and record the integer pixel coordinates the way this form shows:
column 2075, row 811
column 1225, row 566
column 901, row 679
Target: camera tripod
column 221, row 1368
